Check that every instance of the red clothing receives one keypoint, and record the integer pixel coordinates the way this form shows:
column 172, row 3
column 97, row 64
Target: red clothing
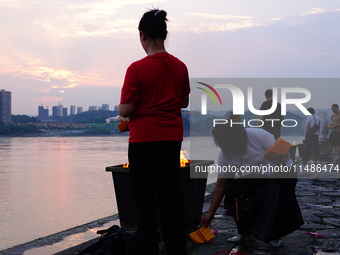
column 156, row 84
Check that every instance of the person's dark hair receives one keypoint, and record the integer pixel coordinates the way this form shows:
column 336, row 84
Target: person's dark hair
column 335, row 105
column 311, row 110
column 231, row 139
column 269, row 93
column 153, row 24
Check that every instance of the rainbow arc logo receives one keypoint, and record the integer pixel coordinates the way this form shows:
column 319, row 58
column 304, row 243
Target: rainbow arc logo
column 209, row 93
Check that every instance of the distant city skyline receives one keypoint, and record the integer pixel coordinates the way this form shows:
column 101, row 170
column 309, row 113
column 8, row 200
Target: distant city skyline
column 61, row 111
column 77, row 52
column 329, row 90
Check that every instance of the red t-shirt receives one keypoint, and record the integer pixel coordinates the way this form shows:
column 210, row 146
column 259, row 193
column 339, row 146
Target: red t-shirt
column 156, row 84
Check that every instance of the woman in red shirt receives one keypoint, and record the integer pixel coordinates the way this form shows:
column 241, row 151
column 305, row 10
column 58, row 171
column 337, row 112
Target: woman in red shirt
column 154, row 91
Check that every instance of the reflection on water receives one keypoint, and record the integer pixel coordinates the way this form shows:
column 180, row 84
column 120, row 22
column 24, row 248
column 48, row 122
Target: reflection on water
column 69, row 241
column 49, row 184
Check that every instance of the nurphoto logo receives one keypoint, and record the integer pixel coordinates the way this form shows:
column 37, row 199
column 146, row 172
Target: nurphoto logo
column 239, row 103
column 238, row 99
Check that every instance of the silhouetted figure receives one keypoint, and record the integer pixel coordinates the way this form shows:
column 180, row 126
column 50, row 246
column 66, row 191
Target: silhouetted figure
column 266, row 206
column 334, row 137
column 312, row 135
column 275, row 126
column 154, row 91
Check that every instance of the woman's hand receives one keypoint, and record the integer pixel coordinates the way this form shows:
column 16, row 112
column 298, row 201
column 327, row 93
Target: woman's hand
column 206, row 220
column 218, row 194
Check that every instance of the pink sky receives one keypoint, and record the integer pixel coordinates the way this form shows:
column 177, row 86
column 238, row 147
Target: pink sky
column 76, row 52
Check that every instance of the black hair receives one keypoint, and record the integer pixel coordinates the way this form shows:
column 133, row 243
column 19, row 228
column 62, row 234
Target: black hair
column 153, row 24
column 335, row 105
column 311, row 110
column 233, row 116
column 231, row 139
column 269, row 93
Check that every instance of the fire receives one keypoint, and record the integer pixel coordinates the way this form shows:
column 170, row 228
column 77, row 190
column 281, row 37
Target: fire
column 183, row 160
column 126, row 165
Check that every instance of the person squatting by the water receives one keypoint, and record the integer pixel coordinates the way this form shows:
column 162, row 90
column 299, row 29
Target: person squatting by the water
column 264, row 206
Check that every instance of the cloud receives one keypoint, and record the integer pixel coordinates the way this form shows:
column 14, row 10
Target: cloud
column 230, row 26
column 90, row 19
column 117, row 28
column 11, row 3
column 71, row 18
column 276, row 19
column 55, row 77
column 314, row 11
column 47, row 99
column 44, row 90
column 220, row 16
column 208, row 22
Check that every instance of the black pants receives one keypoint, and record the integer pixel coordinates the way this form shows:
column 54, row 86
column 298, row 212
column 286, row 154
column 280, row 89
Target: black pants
column 272, row 209
column 155, row 175
column 248, row 187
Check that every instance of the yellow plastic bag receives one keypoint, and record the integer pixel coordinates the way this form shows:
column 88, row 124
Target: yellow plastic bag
column 278, row 152
column 202, row 235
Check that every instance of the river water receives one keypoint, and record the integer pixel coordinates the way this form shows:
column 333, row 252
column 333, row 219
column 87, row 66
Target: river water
column 50, row 184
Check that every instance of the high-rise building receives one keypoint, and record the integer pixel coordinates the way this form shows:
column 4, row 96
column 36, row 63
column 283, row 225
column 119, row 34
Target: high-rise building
column 105, row 107
column 5, row 106
column 65, row 111
column 72, row 110
column 93, row 108
column 79, row 109
column 43, row 113
column 54, row 111
column 60, row 110
column 57, row 111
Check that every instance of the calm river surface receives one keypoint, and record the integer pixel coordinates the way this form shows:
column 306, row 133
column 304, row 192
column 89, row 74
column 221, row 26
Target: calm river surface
column 50, row 184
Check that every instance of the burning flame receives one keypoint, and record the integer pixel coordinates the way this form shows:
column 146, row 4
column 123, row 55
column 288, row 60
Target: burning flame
column 184, row 162
column 126, row 165
column 294, row 142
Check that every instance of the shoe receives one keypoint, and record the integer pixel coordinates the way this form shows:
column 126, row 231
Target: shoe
column 237, row 239
column 240, row 238
column 276, row 243
column 311, row 162
column 235, row 251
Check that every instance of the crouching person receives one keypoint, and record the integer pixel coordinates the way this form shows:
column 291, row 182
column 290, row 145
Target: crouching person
column 263, row 203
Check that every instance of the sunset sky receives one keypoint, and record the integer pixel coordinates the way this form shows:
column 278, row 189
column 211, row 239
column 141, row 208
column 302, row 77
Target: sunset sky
column 76, row 51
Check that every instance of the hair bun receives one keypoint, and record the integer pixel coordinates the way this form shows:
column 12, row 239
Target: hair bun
column 160, row 14
column 153, row 24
